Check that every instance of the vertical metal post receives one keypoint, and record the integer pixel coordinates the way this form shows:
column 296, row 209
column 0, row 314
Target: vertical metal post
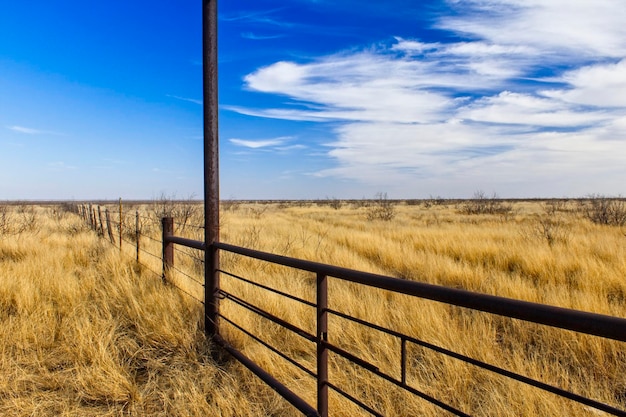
column 168, row 247
column 322, row 351
column 121, row 223
column 211, row 166
column 403, row 360
column 137, row 233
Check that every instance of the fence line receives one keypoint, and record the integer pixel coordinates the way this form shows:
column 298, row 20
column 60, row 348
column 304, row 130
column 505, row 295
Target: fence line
column 113, row 231
column 607, row 327
column 582, row 322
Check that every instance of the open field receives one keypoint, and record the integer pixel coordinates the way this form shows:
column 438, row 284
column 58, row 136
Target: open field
column 84, row 332
column 88, row 332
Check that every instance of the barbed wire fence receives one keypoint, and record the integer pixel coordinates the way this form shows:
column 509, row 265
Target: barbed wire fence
column 138, row 236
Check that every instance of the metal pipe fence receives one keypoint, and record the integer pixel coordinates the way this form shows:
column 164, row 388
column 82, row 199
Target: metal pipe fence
column 603, row 326
column 324, row 343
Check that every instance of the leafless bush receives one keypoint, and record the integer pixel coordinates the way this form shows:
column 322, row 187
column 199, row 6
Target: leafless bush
column 605, row 210
column 334, row 203
column 549, row 226
column 359, row 204
column 5, row 220
column 480, row 203
column 181, row 210
column 13, row 221
column 27, row 218
column 230, row 205
column 433, row 201
column 381, row 208
column 555, row 206
column 258, row 211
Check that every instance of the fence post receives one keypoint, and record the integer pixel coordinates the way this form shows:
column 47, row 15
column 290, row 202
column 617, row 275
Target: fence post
column 211, row 166
column 108, row 219
column 94, row 224
column 137, row 234
column 90, row 216
column 322, row 351
column 101, row 231
column 121, row 223
column 168, row 247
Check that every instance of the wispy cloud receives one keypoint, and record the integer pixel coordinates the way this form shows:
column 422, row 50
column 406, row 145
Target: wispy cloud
column 191, row 100
column 540, row 96
column 265, row 17
column 61, row 166
column 259, row 144
column 255, row 37
column 31, row 131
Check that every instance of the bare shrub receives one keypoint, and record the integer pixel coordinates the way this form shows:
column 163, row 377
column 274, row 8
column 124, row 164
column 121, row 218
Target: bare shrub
column 334, row 203
column 27, row 218
column 258, row 211
column 5, row 220
column 381, row 208
column 481, row 203
column 605, row 210
column 555, row 206
column 549, row 226
column 434, row 201
column 230, row 205
column 181, row 210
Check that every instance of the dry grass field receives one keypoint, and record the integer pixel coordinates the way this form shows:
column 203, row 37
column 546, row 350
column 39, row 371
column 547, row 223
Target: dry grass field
column 88, row 332
column 83, row 332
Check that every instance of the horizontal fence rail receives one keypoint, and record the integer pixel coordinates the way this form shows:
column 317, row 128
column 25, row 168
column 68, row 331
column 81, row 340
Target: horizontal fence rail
column 608, row 327
column 582, row 322
column 579, row 321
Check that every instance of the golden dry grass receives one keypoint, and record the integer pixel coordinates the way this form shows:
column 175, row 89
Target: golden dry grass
column 126, row 344
column 584, row 268
column 84, row 332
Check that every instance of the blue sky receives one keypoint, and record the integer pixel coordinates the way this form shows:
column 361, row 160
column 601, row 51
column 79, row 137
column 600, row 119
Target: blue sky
column 318, row 98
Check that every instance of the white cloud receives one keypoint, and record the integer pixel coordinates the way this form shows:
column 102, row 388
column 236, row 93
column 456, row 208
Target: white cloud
column 532, row 111
column 258, row 144
column 496, row 107
column 255, row 37
column 572, row 29
column 191, row 100
column 31, row 131
column 601, row 85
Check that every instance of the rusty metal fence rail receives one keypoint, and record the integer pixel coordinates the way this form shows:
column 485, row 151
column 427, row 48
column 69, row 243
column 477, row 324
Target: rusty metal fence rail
column 603, row 326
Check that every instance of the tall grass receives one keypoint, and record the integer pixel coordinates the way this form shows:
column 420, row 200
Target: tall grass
column 506, row 255
column 88, row 332
column 84, row 332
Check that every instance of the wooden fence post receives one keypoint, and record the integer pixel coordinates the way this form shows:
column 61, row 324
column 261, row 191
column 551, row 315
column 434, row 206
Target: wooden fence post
column 101, row 231
column 168, row 247
column 108, row 219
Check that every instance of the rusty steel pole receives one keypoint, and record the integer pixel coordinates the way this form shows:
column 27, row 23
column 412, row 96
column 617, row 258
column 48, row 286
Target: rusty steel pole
column 211, row 166
column 322, row 351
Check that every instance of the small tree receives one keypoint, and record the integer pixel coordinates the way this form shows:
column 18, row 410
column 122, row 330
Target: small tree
column 381, row 208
